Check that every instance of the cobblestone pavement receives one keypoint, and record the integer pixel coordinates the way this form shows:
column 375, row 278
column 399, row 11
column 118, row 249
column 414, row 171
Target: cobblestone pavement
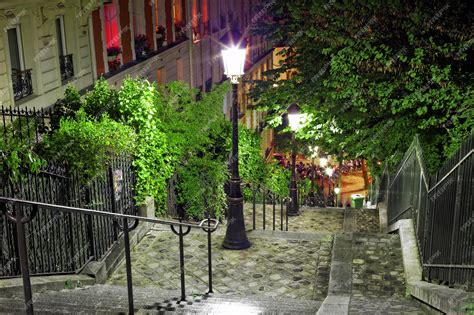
column 377, row 266
column 310, row 220
column 367, row 220
column 387, row 305
column 270, row 267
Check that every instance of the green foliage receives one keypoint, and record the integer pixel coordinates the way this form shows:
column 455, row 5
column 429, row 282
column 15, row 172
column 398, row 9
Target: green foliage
column 66, row 106
column 201, row 187
column 88, row 145
column 252, row 165
column 102, row 99
column 152, row 158
column 18, row 152
column 278, row 179
column 372, row 74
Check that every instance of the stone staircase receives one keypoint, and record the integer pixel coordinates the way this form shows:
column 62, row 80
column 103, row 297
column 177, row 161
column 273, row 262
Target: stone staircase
column 109, row 299
column 329, row 263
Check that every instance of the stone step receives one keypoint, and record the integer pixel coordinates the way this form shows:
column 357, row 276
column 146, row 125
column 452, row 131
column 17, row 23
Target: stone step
column 113, row 299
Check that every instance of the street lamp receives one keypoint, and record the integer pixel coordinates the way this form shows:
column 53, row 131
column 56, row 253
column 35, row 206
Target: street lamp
column 337, row 190
column 329, row 171
column 294, row 120
column 234, row 54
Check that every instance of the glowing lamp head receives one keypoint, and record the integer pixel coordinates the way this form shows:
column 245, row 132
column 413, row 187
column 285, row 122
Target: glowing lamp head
column 294, row 117
column 323, row 162
column 337, row 190
column 329, row 171
column 234, row 54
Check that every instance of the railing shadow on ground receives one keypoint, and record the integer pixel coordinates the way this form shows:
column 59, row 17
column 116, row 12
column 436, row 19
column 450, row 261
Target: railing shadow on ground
column 442, row 209
column 21, row 212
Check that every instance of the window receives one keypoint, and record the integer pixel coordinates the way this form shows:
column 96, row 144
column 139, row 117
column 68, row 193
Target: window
column 196, row 18
column 21, row 77
column 205, row 17
column 160, row 23
column 15, row 48
column 179, row 19
column 66, row 66
column 112, row 38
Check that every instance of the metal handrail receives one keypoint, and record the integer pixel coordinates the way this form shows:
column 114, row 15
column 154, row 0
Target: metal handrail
column 451, row 170
column 101, row 213
column 416, row 148
column 122, row 221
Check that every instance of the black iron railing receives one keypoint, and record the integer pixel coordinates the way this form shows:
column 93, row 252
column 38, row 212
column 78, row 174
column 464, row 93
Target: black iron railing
column 60, row 243
column 22, row 84
column 277, row 206
column 66, row 67
column 442, row 208
column 22, row 212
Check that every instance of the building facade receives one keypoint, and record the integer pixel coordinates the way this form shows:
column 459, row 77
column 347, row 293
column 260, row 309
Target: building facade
column 47, row 44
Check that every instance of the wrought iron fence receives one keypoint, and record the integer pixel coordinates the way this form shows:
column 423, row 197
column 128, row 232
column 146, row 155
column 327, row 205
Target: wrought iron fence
column 442, row 208
column 273, row 207
column 22, row 84
column 22, row 212
column 60, row 242
column 66, row 67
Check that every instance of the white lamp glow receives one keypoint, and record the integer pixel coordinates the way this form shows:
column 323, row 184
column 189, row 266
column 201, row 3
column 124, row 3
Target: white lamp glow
column 323, row 162
column 329, row 171
column 234, row 62
column 294, row 117
column 337, row 190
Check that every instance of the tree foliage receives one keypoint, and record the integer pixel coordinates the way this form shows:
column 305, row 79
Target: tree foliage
column 372, row 74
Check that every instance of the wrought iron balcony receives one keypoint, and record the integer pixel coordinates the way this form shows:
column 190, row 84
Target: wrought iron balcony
column 66, row 66
column 22, row 85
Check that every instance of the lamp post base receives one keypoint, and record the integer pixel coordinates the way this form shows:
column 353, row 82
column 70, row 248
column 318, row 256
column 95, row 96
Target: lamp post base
column 236, row 236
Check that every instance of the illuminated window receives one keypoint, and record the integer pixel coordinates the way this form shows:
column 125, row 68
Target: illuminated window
column 160, row 23
column 112, row 38
column 179, row 18
column 196, row 18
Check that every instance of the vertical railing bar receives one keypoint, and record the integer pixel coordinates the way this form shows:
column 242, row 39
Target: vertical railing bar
column 128, row 265
column 209, row 252
column 181, row 263
column 281, row 213
column 264, row 205
column 25, row 272
column 254, row 191
column 274, row 208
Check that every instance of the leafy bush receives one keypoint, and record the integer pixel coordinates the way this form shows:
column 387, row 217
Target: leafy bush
column 252, row 165
column 18, row 153
column 201, row 187
column 278, row 179
column 88, row 145
column 153, row 160
column 102, row 99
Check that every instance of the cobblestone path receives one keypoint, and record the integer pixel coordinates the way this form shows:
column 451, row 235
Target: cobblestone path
column 272, row 267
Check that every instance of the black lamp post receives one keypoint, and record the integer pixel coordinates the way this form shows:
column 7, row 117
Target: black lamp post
column 234, row 54
column 294, row 119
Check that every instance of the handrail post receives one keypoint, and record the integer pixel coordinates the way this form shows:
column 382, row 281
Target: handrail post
column 209, row 252
column 264, row 205
column 128, row 266
column 254, row 207
column 181, row 263
column 286, row 214
column 274, row 207
column 22, row 251
column 281, row 213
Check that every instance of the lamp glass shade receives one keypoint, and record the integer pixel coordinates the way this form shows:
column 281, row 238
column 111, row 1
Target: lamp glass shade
column 294, row 121
column 337, row 190
column 329, row 171
column 234, row 61
column 323, row 162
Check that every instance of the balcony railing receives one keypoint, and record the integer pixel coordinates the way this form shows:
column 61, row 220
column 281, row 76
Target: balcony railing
column 66, row 66
column 22, row 85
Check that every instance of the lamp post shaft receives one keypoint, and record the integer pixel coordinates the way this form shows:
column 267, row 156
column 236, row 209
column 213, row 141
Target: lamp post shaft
column 293, row 187
column 236, row 237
